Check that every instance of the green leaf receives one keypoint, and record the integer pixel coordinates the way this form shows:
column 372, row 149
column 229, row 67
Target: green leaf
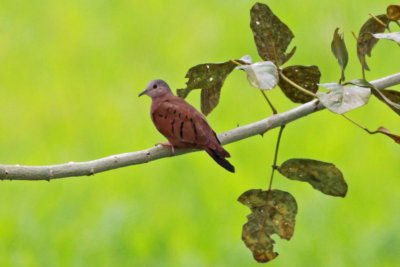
column 340, row 51
column 343, row 98
column 262, row 75
column 273, row 212
column 393, row 12
column 323, row 176
column 271, row 35
column 395, row 36
column 386, row 132
column 365, row 41
column 306, row 76
column 209, row 77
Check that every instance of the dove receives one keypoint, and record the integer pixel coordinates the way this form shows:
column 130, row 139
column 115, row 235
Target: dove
column 182, row 124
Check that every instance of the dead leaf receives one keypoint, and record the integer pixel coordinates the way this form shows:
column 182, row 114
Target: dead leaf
column 393, row 12
column 273, row 212
column 209, row 77
column 306, row 76
column 386, row 132
column 271, row 35
column 323, row 176
column 365, row 41
column 339, row 49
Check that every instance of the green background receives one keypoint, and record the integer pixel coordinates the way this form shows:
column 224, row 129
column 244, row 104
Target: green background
column 70, row 73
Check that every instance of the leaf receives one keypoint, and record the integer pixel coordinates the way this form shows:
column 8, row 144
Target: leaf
column 393, row 12
column 392, row 95
column 395, row 36
column 386, row 132
column 209, row 77
column 323, row 176
column 343, row 98
column 340, row 51
column 271, row 35
column 247, row 59
column 365, row 41
column 263, row 75
column 306, row 76
column 273, row 212
column 380, row 94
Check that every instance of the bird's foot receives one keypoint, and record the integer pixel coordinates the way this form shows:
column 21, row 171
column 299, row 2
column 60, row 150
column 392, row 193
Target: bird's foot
column 168, row 144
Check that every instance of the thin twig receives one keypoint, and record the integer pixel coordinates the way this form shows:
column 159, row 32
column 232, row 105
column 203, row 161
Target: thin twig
column 355, row 36
column 269, row 102
column 234, row 61
column 275, row 156
column 356, row 123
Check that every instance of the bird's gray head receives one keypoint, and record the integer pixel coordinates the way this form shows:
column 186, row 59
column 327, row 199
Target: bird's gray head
column 156, row 88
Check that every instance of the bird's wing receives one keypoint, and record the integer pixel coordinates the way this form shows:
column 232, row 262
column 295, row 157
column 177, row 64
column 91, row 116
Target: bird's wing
column 180, row 122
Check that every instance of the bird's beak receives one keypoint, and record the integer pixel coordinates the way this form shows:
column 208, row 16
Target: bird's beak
column 142, row 93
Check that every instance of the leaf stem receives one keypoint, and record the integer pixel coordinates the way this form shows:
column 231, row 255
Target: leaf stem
column 274, row 111
column 356, row 123
column 355, row 36
column 379, row 21
column 274, row 167
column 296, row 85
column 234, row 61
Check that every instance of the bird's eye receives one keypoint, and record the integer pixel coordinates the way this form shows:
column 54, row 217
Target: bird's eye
column 155, row 86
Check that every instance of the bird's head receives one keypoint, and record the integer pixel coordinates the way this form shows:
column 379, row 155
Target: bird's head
column 156, row 88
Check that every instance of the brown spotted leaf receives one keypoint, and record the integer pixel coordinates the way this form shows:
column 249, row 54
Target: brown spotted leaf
column 392, row 95
column 271, row 35
column 209, row 77
column 395, row 106
column 340, row 51
column 393, row 12
column 386, row 132
column 323, row 176
column 306, row 76
column 273, row 212
column 366, row 41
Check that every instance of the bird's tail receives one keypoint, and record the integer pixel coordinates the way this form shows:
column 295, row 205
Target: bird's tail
column 219, row 156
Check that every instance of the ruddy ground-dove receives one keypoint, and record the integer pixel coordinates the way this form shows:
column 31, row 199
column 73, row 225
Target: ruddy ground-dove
column 182, row 124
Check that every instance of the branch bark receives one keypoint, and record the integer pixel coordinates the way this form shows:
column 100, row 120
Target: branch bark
column 18, row 172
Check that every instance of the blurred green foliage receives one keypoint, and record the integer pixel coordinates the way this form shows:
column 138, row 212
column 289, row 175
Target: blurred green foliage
column 70, row 73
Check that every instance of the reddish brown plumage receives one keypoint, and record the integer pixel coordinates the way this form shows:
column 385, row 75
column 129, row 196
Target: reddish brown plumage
column 182, row 124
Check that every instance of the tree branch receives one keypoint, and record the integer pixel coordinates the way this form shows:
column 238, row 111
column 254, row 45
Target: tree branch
column 17, row 172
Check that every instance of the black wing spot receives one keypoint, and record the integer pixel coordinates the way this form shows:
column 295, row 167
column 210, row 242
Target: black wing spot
column 194, row 129
column 174, row 111
column 172, row 126
column 182, row 129
column 160, row 115
column 165, row 116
